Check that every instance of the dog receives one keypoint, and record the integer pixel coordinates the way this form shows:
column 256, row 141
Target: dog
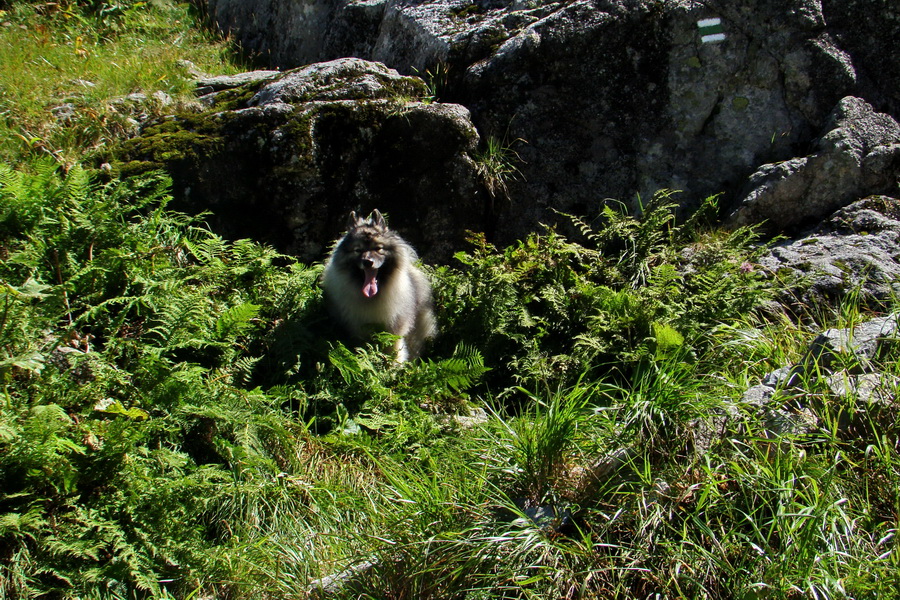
column 372, row 283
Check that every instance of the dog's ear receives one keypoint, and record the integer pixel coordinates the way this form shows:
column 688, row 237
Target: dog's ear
column 378, row 219
column 352, row 220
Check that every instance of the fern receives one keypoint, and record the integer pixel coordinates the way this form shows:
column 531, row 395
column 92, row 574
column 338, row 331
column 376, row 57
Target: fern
column 189, row 407
column 236, row 320
column 23, row 197
column 242, row 370
column 183, row 322
column 365, row 371
column 110, row 296
column 18, row 316
column 449, row 378
column 667, row 339
column 209, row 251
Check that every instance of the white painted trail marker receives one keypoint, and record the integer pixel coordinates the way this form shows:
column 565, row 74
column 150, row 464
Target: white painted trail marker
column 711, row 30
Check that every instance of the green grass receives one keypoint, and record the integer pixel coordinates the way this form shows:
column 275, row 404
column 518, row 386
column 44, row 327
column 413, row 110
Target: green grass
column 496, row 164
column 178, row 419
column 64, row 69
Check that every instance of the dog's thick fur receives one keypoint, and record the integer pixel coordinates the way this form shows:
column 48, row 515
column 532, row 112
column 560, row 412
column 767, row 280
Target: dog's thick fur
column 372, row 284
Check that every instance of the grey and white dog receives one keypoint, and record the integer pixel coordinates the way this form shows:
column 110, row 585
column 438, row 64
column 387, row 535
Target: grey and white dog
column 372, row 284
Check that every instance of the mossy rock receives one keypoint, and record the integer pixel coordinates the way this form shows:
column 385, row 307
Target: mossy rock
column 282, row 161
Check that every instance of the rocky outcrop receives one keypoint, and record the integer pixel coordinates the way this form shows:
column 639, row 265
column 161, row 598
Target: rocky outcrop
column 613, row 98
column 284, row 157
column 859, row 155
column 406, row 34
column 855, row 251
column 787, row 108
column 864, row 29
column 840, row 368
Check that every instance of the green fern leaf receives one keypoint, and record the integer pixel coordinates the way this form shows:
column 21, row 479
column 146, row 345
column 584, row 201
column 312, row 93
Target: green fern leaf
column 666, row 338
column 236, row 320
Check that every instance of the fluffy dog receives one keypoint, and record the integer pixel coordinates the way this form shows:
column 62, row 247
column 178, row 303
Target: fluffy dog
column 372, row 284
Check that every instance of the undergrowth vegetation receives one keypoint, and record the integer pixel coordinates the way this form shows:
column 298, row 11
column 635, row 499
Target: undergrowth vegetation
column 179, row 419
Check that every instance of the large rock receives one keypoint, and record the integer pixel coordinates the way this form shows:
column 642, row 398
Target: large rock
column 619, row 98
column 296, row 33
column 283, row 158
column 855, row 251
column 865, row 30
column 409, row 35
column 859, row 155
column 863, row 343
column 607, row 98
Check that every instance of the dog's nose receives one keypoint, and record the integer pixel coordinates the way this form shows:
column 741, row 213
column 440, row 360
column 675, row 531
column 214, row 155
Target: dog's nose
column 371, row 260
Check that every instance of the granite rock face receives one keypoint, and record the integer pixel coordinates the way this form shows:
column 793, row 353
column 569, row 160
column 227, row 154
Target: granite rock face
column 864, row 29
column 787, row 108
column 856, row 250
column 612, row 98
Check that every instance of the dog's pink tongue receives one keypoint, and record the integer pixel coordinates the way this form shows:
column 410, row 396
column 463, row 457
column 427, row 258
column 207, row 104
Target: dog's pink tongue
column 370, row 287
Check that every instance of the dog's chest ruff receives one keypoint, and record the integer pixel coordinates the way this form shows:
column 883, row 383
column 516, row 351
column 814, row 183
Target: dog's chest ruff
column 385, row 310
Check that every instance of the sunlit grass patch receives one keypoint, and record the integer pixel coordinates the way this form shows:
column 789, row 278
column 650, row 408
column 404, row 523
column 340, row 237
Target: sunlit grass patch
column 65, row 73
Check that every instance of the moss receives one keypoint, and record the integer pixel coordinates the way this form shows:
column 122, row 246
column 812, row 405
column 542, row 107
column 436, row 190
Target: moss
column 404, row 87
column 134, row 167
column 740, row 103
column 469, row 12
column 183, row 137
column 493, row 37
column 298, row 132
column 413, row 86
column 236, row 98
column 187, row 137
column 344, row 87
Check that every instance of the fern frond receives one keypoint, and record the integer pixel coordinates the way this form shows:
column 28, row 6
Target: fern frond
column 185, row 319
column 239, row 371
column 210, row 251
column 236, row 320
column 77, row 185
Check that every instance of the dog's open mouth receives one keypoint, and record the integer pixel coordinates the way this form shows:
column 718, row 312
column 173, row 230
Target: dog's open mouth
column 370, row 285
